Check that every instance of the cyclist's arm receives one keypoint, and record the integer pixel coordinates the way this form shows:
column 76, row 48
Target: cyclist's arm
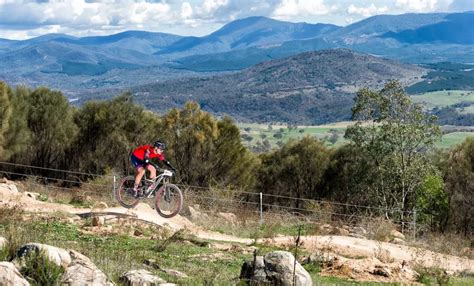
column 167, row 163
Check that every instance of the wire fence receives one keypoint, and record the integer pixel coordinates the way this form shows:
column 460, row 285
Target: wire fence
column 264, row 206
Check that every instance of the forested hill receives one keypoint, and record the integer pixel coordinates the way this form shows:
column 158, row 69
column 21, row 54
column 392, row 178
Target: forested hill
column 309, row 88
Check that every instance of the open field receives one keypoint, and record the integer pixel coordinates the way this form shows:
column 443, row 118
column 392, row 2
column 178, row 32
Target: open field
column 254, row 135
column 444, row 98
column 453, row 138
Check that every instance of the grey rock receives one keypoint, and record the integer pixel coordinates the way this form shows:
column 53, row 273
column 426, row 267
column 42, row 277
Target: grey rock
column 82, row 271
column 141, row 277
column 9, row 275
column 280, row 265
column 56, row 255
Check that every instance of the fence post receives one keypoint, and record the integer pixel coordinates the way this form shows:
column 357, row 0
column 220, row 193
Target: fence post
column 113, row 187
column 261, row 208
column 414, row 224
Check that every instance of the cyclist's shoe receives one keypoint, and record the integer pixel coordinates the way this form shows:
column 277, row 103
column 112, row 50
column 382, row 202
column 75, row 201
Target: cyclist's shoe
column 137, row 193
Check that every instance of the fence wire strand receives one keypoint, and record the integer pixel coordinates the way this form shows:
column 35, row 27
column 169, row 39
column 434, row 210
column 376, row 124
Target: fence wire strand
column 195, row 192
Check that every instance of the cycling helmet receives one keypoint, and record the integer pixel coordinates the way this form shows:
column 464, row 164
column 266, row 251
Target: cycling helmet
column 159, row 144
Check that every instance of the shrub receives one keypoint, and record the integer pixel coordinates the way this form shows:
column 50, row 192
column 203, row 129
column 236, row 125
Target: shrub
column 39, row 270
column 432, row 276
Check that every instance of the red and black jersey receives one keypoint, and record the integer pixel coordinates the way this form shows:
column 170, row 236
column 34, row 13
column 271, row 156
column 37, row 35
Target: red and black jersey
column 147, row 152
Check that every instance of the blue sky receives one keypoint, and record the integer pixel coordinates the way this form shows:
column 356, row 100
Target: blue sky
column 22, row 19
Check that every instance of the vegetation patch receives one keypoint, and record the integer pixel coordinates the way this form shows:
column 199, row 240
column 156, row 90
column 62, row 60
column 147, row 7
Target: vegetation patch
column 38, row 269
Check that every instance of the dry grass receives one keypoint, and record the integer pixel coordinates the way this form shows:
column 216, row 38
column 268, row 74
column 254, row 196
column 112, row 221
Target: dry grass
column 378, row 228
column 448, row 243
column 86, row 195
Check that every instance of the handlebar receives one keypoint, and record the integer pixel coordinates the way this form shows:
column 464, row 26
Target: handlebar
column 162, row 170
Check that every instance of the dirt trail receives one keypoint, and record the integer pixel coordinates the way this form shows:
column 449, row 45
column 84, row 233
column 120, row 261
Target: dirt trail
column 357, row 248
column 341, row 245
column 142, row 212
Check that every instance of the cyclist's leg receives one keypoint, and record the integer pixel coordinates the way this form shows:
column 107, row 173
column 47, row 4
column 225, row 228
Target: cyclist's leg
column 139, row 175
column 152, row 170
column 140, row 172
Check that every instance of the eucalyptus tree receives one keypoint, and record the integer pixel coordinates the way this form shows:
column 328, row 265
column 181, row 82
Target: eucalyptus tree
column 50, row 120
column 206, row 150
column 5, row 114
column 295, row 170
column 108, row 132
column 459, row 184
column 18, row 136
column 395, row 134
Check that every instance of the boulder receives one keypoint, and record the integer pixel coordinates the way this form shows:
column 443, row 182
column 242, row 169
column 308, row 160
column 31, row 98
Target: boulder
column 9, row 275
column 56, row 255
column 339, row 231
column 100, row 205
column 33, row 195
column 194, row 213
column 174, row 273
column 254, row 271
column 397, row 240
column 10, row 187
column 82, row 271
column 98, row 221
column 140, row 277
column 229, row 217
column 396, row 234
column 276, row 268
column 280, row 265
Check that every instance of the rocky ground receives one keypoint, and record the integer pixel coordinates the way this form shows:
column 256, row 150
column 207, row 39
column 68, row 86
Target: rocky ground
column 341, row 255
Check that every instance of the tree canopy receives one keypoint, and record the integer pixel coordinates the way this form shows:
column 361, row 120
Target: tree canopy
column 395, row 134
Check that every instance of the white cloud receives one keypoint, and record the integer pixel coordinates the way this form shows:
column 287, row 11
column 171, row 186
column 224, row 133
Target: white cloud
column 461, row 5
column 186, row 10
column 209, row 6
column 292, row 8
column 366, row 11
column 417, row 5
column 26, row 18
column 78, row 16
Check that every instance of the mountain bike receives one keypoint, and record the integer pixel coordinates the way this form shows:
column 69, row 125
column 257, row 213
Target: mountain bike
column 168, row 197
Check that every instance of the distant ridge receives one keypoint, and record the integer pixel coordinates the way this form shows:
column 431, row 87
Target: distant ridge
column 76, row 65
column 308, row 88
column 248, row 32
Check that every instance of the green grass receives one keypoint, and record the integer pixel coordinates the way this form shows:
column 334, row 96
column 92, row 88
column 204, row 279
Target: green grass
column 454, row 138
column 115, row 254
column 443, row 98
column 260, row 132
column 462, row 281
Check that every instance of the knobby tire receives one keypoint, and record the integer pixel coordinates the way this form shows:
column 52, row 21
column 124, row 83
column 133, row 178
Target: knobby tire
column 124, row 190
column 177, row 195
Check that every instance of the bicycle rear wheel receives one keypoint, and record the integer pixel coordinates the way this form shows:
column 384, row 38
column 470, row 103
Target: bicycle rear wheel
column 168, row 201
column 125, row 194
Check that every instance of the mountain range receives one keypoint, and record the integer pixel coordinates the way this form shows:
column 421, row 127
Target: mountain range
column 307, row 88
column 242, row 60
column 132, row 58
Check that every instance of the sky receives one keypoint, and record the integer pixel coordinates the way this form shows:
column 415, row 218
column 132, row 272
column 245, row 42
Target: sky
column 24, row 19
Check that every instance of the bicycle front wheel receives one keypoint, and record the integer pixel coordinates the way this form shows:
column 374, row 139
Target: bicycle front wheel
column 125, row 194
column 168, row 201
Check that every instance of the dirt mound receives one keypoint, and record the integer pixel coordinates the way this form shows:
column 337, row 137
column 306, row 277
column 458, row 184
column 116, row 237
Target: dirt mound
column 368, row 269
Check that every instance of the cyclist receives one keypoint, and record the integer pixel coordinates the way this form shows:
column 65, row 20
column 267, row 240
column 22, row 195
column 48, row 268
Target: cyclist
column 140, row 158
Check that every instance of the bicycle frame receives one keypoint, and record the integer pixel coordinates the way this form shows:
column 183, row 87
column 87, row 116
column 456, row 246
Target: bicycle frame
column 151, row 189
